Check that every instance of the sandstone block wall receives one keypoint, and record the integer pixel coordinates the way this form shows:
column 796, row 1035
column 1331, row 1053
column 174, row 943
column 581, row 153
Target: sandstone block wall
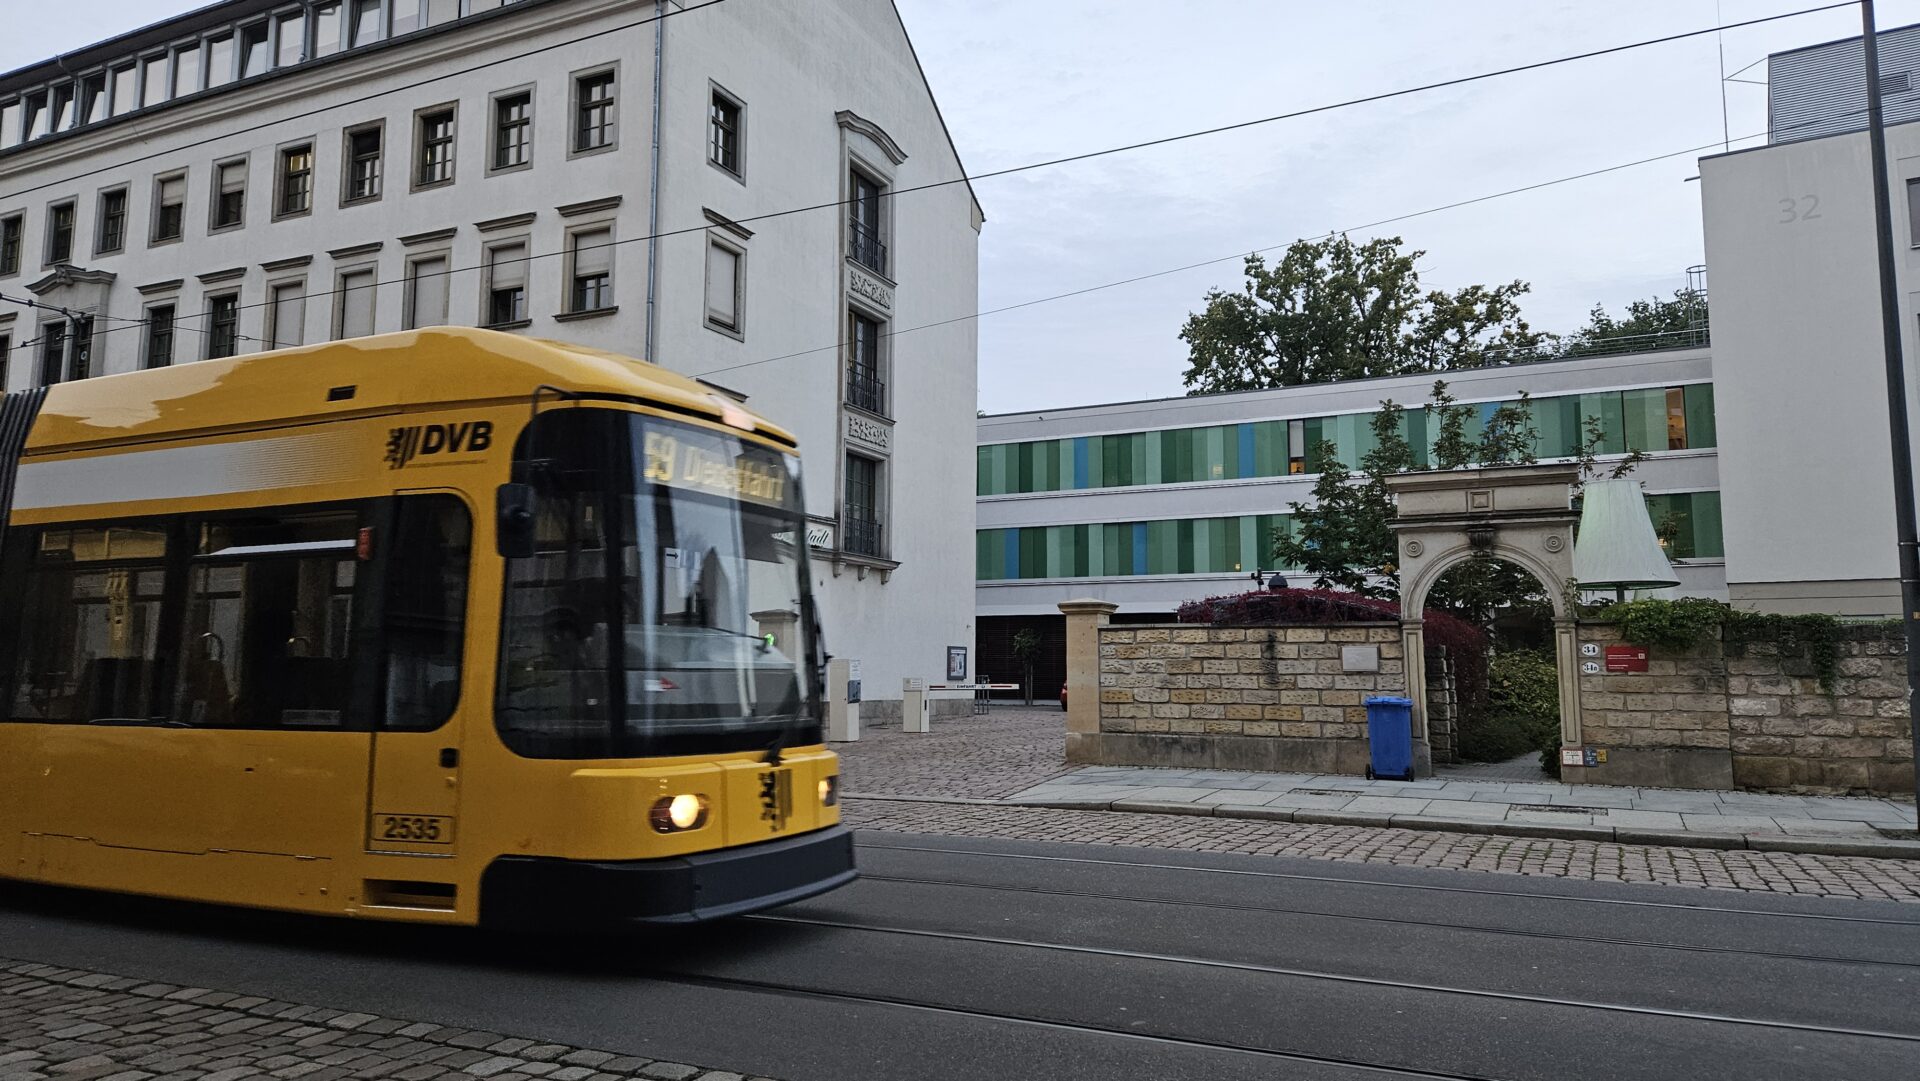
column 1239, row 697
column 1752, row 715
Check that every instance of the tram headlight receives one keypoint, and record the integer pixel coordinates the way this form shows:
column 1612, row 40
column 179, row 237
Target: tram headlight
column 829, row 790
column 676, row 814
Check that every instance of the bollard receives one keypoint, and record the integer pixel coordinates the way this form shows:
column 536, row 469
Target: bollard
column 843, row 700
column 915, row 712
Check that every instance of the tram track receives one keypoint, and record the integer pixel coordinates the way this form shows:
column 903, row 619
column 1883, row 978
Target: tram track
column 1373, row 982
column 1223, row 906
column 1365, row 883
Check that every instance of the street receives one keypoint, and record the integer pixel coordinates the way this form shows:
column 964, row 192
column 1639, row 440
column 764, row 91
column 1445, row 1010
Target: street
column 989, row 958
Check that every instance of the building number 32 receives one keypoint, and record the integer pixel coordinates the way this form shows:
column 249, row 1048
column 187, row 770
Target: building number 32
column 1805, row 208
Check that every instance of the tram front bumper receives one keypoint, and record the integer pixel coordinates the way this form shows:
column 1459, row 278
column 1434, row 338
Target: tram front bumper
column 542, row 893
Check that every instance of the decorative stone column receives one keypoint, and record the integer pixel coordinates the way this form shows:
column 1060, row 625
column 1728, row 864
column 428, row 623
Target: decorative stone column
column 1413, row 652
column 1566, row 653
column 1084, row 619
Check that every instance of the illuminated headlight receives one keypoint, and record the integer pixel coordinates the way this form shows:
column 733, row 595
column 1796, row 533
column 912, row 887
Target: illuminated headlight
column 829, row 790
column 675, row 814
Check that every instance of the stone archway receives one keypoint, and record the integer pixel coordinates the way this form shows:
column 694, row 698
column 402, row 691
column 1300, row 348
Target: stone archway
column 1522, row 514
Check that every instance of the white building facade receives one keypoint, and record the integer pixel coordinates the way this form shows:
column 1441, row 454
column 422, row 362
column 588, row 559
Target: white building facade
column 709, row 186
column 1806, row 463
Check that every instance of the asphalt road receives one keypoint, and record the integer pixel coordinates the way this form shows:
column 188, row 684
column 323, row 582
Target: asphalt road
column 1004, row 959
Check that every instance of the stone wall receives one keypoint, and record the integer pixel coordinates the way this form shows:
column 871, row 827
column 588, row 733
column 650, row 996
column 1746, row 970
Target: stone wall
column 1751, row 715
column 1443, row 705
column 1263, row 698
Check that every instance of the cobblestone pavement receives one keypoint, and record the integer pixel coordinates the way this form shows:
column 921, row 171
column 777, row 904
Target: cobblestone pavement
column 63, row 1024
column 984, row 757
column 1731, row 869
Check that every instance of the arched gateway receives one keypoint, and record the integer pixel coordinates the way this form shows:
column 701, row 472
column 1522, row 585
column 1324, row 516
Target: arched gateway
column 1521, row 514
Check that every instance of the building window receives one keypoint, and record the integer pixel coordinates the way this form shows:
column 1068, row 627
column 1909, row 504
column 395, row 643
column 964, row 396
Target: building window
column 229, row 194
column 406, row 17
column 864, row 386
column 62, row 112
column 593, row 97
column 12, row 229
column 862, row 527
column 253, row 50
column 366, row 21
column 363, row 164
column 287, row 314
column 111, row 236
column 353, row 309
column 6, row 355
column 590, row 284
column 1296, row 447
column 153, row 80
column 93, row 98
column 10, row 134
column 291, row 29
column 507, row 285
column 60, row 233
column 434, row 153
column 126, row 90
column 220, row 60
column 296, row 180
column 223, row 325
column 513, row 130
column 169, row 207
column 186, row 70
column 427, row 292
column 326, row 30
column 55, row 365
column 724, row 117
column 726, row 286
column 53, row 353
column 442, row 11
column 863, row 223
column 34, row 124
column 159, row 336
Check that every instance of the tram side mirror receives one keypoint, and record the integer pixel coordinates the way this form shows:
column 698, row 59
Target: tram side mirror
column 513, row 525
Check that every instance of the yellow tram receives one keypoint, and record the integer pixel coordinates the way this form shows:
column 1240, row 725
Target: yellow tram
column 449, row 625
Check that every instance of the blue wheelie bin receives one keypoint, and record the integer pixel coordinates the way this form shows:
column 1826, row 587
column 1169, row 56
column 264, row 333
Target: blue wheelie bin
column 1390, row 738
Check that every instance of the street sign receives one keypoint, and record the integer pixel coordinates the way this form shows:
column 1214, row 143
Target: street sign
column 1626, row 658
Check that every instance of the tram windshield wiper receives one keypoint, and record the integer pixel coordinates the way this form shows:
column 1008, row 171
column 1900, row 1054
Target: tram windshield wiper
column 774, row 748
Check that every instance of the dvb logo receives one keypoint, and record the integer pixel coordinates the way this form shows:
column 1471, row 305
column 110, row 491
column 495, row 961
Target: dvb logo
column 406, row 444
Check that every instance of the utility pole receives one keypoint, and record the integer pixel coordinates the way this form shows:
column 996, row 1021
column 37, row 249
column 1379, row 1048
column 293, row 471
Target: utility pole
column 1903, row 515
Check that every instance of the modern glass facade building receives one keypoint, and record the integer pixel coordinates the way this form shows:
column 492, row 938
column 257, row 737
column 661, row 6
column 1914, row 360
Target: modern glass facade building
column 1150, row 504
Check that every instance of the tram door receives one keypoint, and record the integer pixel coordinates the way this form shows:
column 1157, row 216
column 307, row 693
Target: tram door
column 422, row 548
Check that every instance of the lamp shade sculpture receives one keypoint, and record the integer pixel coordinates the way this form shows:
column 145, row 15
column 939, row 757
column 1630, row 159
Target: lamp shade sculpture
column 1617, row 548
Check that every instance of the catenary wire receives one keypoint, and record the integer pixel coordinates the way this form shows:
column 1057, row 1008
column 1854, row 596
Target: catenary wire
column 1029, row 166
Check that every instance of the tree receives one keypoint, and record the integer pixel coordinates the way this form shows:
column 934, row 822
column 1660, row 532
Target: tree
column 1682, row 317
column 1026, row 648
column 1332, row 310
column 1588, row 454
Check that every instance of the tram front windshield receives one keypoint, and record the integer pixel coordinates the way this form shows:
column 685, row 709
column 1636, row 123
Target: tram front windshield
column 665, row 609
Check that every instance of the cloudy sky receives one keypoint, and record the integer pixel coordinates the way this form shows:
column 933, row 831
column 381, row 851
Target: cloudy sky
column 1028, row 80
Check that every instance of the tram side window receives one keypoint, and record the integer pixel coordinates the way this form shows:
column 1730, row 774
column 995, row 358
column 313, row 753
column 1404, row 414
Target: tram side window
column 426, row 610
column 92, row 598
column 269, row 617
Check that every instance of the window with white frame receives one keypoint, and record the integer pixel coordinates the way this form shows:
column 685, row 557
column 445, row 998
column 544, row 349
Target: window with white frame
column 295, row 180
column 433, row 147
column 513, row 130
column 594, row 109
column 353, row 304
column 364, row 153
column 726, row 286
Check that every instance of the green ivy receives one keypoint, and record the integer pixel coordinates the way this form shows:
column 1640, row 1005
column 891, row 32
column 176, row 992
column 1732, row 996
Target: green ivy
column 1684, row 623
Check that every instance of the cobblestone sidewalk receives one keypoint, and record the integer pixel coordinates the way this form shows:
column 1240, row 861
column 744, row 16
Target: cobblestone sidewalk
column 1730, row 869
column 980, row 757
column 58, row 1023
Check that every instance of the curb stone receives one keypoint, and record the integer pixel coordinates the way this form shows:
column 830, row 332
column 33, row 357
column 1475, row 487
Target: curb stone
column 1761, row 842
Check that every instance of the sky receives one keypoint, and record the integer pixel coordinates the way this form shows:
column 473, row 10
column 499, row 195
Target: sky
column 1020, row 81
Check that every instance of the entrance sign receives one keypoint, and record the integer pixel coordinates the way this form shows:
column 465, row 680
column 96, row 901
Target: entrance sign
column 1626, row 658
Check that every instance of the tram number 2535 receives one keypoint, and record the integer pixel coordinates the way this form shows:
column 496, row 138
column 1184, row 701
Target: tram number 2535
column 415, row 829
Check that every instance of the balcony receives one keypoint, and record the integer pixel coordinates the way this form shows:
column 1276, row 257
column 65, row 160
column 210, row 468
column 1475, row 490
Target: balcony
column 861, row 537
column 866, row 248
column 865, row 390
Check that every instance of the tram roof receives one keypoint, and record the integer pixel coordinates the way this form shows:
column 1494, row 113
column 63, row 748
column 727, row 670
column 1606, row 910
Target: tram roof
column 386, row 373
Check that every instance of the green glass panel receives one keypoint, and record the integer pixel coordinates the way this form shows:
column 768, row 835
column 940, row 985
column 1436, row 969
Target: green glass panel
column 1083, row 550
column 982, row 555
column 1149, row 472
column 1111, row 562
column 1230, row 551
column 1137, row 459
column 1707, row 541
column 1163, row 548
column 1315, row 431
column 1413, row 427
column 1096, row 461
column 983, row 471
column 1063, row 475
column 1003, row 469
column 1645, row 415
column 1057, row 555
column 1033, row 553
column 1269, row 448
column 1183, row 529
column 1701, row 429
column 1606, row 406
column 1022, row 467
